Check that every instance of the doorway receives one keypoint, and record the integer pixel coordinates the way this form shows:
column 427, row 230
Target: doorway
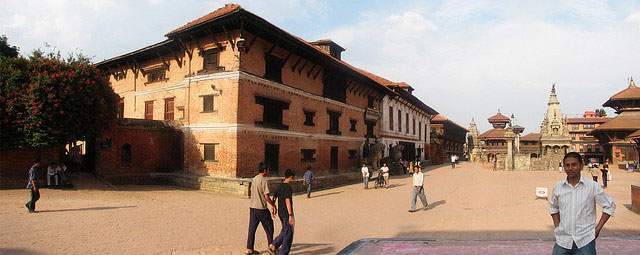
column 271, row 156
column 334, row 157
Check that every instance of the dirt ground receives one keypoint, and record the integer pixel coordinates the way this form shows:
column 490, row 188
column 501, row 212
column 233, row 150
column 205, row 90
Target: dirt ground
column 469, row 202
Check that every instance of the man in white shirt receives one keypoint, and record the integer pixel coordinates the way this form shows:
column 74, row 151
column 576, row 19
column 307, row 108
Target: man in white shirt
column 385, row 174
column 453, row 161
column 418, row 190
column 573, row 208
column 52, row 170
column 365, row 176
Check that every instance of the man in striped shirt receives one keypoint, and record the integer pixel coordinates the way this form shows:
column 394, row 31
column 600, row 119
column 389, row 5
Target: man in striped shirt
column 573, row 208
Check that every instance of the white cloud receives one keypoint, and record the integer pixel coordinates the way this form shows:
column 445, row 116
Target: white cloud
column 634, row 18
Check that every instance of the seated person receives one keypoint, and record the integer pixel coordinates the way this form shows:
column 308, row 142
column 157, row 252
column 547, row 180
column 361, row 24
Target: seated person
column 51, row 171
column 62, row 172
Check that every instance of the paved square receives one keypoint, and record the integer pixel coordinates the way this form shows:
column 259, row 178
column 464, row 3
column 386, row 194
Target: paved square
column 469, row 202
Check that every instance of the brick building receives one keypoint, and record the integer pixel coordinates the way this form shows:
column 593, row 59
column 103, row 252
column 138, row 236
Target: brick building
column 448, row 138
column 243, row 91
column 587, row 145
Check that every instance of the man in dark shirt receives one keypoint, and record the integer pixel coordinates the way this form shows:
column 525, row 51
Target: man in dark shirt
column 33, row 186
column 285, row 212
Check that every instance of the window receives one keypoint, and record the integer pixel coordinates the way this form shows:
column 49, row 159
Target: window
column 207, row 103
column 168, row 108
column 390, row 118
column 272, row 113
column 121, row 108
column 370, row 126
column 407, row 123
column 589, row 148
column 581, row 136
column 308, row 118
column 575, row 126
column 353, row 154
column 156, row 75
column 273, row 68
column 209, row 152
column 573, row 136
column 581, row 148
column 399, row 120
column 419, row 130
column 425, row 132
column 125, row 156
column 353, row 125
column 334, row 85
column 589, row 126
column 148, row 110
column 573, row 147
column 211, row 60
column 307, row 155
column 120, row 75
column 597, row 148
column 370, row 101
column 414, row 126
column 334, row 123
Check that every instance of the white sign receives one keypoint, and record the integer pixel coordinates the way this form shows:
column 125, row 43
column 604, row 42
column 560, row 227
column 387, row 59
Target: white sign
column 541, row 193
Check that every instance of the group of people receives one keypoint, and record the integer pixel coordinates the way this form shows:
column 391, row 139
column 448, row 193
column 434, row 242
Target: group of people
column 259, row 213
column 59, row 171
column 596, row 171
column 454, row 161
column 382, row 172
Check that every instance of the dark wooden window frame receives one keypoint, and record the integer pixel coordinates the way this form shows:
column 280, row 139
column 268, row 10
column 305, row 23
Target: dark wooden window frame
column 334, row 122
column 156, row 75
column 148, row 115
column 353, row 123
column 209, row 152
column 353, row 154
column 272, row 108
column 391, row 118
column 273, row 68
column 308, row 118
column 169, row 111
column 204, row 103
column 307, row 155
column 205, row 66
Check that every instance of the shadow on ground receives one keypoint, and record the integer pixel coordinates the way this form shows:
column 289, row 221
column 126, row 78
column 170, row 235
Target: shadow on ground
column 17, row 251
column 327, row 194
column 436, row 204
column 313, row 248
column 88, row 209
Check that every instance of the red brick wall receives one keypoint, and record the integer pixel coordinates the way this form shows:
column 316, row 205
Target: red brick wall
column 15, row 164
column 154, row 148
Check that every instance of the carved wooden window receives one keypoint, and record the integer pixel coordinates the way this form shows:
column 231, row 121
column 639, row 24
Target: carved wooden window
column 391, row 118
column 148, row 110
column 307, row 155
column 399, row 120
column 334, row 123
column 273, row 68
column 370, row 126
column 156, row 75
column 121, row 108
column 209, row 151
column 207, row 103
column 272, row 113
column 353, row 125
column 353, row 154
column 407, row 123
column 211, row 60
column 308, row 118
column 168, row 108
column 370, row 101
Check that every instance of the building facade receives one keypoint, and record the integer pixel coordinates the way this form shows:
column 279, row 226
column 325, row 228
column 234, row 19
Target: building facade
column 583, row 143
column 245, row 91
column 448, row 138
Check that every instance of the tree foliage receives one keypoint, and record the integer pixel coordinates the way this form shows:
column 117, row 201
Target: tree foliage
column 6, row 49
column 47, row 100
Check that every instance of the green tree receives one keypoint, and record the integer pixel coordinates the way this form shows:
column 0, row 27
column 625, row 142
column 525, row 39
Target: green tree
column 6, row 49
column 47, row 100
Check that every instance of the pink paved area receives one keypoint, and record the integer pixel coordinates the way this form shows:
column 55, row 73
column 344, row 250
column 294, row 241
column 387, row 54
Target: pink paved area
column 470, row 202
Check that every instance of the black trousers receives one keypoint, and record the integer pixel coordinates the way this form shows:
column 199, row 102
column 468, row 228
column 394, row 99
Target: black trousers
column 257, row 216
column 604, row 178
column 285, row 238
column 35, row 195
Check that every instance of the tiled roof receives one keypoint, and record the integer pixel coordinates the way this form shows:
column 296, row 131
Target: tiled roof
column 228, row 8
column 627, row 120
column 496, row 133
column 631, row 92
column 531, row 137
column 441, row 118
column 634, row 135
column 499, row 118
column 401, row 92
column 587, row 120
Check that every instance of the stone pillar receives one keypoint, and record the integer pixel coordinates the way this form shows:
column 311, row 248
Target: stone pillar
column 509, row 137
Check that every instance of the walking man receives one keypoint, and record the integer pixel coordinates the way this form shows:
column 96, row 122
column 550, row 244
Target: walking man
column 34, row 186
column 453, row 161
column 285, row 212
column 573, row 209
column 258, row 212
column 365, row 176
column 418, row 190
column 308, row 180
column 605, row 174
column 385, row 174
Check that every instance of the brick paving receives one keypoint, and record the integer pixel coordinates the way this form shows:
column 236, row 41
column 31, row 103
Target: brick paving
column 470, row 202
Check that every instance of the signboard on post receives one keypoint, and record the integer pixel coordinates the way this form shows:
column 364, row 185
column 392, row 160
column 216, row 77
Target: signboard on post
column 541, row 193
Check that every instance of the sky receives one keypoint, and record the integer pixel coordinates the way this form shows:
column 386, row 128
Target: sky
column 465, row 59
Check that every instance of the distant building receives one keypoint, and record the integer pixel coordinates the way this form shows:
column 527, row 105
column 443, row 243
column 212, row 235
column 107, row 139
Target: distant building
column 448, row 138
column 493, row 141
column 587, row 145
